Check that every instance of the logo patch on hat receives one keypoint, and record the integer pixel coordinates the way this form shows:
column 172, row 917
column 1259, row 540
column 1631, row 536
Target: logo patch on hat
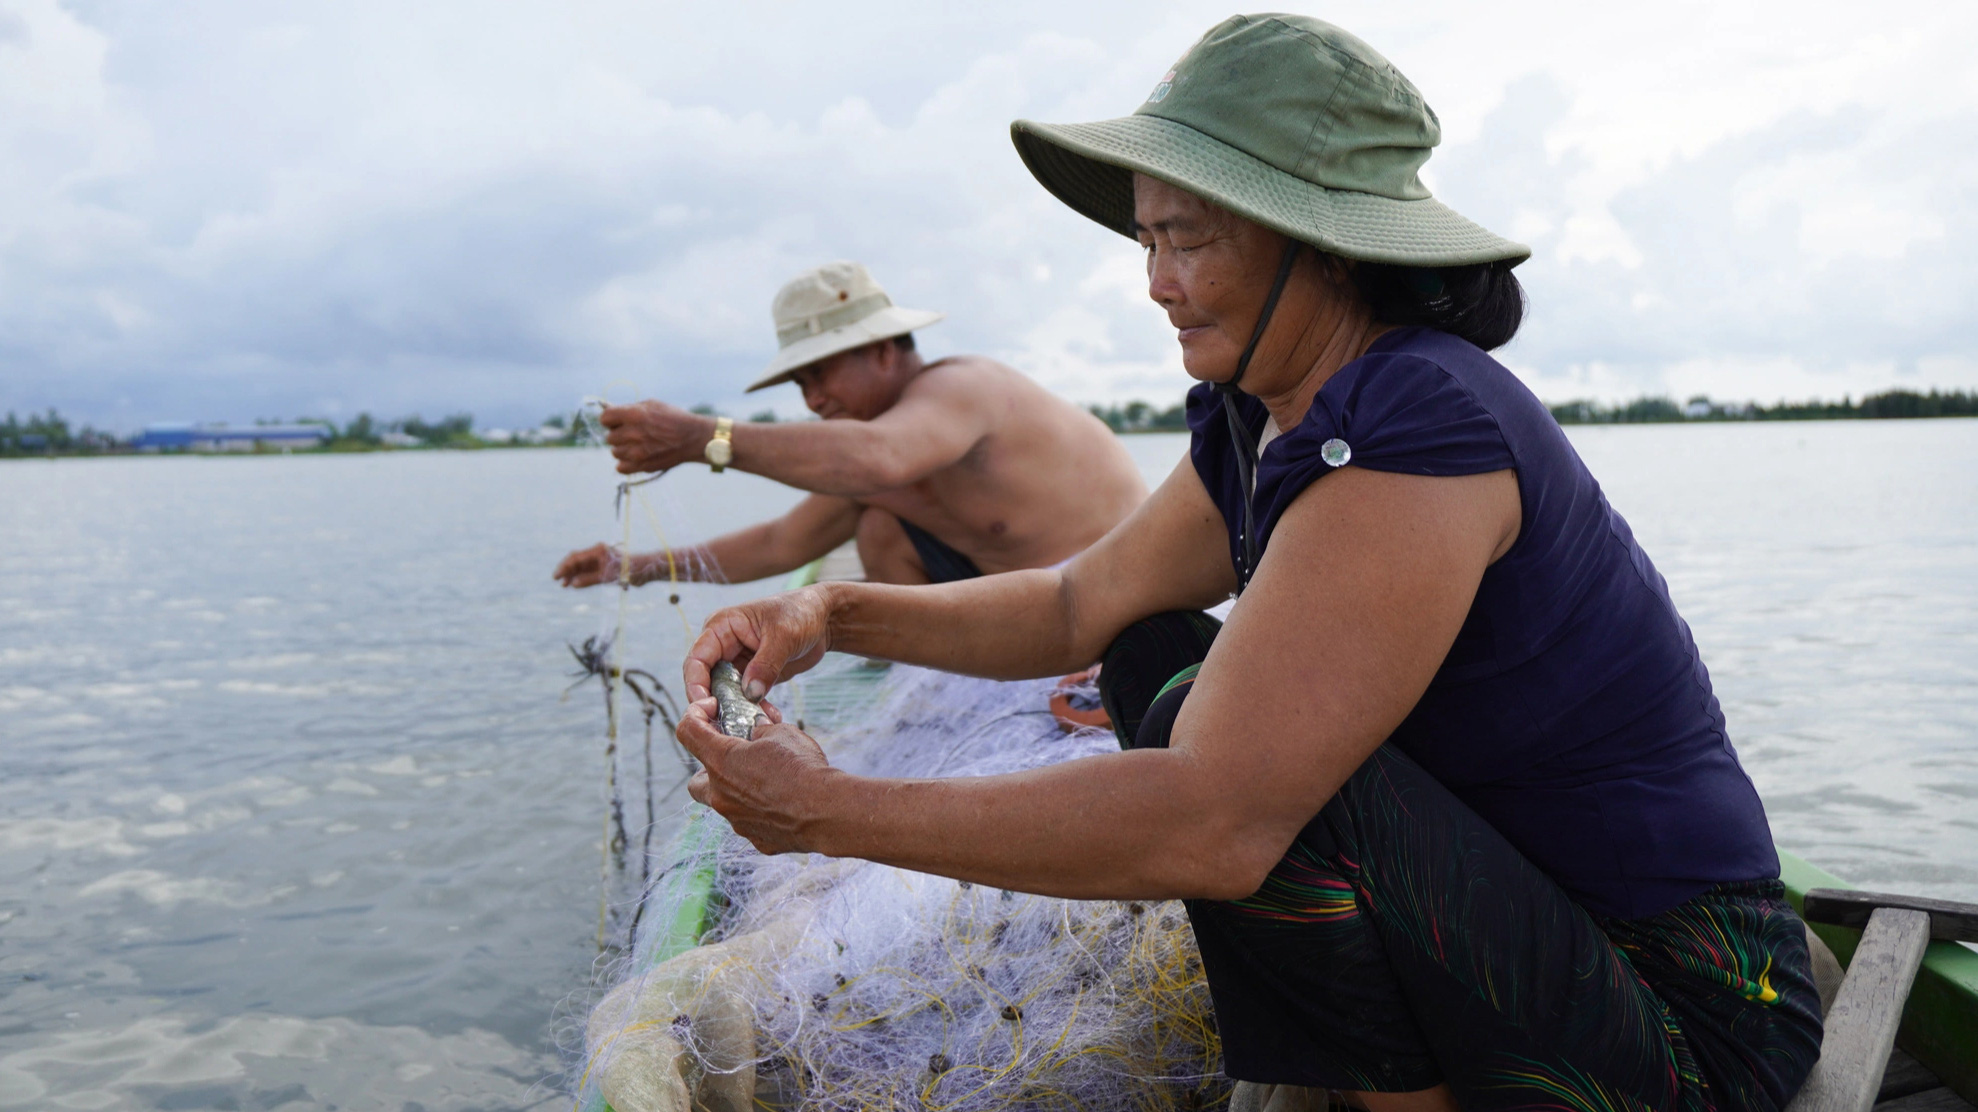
column 1161, row 90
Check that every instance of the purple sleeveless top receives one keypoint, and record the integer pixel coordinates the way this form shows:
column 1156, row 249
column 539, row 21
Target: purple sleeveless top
column 1573, row 712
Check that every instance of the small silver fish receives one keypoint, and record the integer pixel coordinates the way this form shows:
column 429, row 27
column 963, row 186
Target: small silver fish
column 737, row 712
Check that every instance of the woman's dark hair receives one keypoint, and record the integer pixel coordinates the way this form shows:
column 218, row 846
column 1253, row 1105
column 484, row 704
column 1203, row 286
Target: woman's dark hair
column 1482, row 303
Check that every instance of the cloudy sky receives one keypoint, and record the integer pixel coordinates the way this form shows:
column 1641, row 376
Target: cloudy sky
column 217, row 210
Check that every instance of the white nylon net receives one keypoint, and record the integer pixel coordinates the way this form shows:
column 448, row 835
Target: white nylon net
column 841, row 984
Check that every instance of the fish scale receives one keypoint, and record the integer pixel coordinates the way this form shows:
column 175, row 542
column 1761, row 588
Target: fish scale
column 735, row 710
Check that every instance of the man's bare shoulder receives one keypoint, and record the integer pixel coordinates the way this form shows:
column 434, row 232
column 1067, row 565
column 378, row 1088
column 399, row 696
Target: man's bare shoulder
column 966, row 368
column 968, row 376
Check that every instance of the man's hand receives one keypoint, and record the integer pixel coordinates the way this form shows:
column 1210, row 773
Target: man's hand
column 770, row 640
column 654, row 436
column 763, row 785
column 588, row 567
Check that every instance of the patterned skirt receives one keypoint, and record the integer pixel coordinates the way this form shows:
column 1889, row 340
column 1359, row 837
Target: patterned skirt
column 1402, row 943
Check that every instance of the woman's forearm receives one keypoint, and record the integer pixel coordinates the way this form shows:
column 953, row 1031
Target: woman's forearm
column 1169, row 555
column 1017, row 625
column 1137, row 825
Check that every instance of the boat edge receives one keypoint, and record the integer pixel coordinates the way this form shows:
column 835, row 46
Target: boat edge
column 1940, row 1022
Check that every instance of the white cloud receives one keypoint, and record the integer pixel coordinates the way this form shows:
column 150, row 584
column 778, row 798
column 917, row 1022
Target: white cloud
column 362, row 206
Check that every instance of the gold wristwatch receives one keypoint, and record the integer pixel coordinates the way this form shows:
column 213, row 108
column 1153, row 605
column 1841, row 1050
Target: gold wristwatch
column 721, row 449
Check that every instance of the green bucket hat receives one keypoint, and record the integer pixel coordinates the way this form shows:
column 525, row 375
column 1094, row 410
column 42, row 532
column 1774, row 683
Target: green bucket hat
column 1285, row 120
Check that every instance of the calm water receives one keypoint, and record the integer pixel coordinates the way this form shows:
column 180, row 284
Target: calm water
column 293, row 813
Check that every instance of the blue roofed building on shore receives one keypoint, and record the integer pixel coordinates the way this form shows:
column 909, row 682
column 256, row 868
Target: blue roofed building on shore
column 182, row 436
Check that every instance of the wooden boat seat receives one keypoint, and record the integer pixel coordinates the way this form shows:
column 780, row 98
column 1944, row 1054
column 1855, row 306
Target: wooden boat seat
column 1861, row 1024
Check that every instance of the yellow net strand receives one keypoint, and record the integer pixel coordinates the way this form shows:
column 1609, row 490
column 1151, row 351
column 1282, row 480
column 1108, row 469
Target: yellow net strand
column 672, row 565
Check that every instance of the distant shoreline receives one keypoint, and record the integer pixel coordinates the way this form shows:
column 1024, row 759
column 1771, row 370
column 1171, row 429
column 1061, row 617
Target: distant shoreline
column 49, row 437
column 346, row 450
column 1140, row 416
column 121, row 452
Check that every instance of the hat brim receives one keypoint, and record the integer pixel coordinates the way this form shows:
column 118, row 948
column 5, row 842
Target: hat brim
column 1090, row 167
column 883, row 325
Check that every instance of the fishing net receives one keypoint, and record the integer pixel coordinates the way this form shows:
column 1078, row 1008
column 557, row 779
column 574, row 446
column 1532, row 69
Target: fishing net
column 645, row 769
column 822, row 984
column 739, row 981
column 652, row 612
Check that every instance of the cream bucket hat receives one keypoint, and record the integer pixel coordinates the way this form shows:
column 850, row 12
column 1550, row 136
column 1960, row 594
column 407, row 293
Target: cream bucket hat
column 834, row 308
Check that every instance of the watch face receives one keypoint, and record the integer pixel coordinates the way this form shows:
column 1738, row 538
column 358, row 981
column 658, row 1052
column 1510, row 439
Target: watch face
column 719, row 452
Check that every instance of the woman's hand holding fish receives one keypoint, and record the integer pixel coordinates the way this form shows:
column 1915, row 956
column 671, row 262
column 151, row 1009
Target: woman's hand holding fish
column 770, row 640
column 765, row 785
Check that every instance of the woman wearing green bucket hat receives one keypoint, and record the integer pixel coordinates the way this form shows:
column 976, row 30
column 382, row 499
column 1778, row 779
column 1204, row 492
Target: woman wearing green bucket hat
column 1449, row 797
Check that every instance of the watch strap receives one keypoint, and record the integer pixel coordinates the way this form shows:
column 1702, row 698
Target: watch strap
column 724, row 435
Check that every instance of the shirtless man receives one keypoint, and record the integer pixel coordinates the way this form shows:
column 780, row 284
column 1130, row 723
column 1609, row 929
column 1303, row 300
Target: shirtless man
column 941, row 471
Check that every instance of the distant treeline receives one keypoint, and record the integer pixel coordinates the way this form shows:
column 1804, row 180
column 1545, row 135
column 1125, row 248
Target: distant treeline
column 50, row 434
column 1141, row 416
column 1894, row 403
column 363, row 431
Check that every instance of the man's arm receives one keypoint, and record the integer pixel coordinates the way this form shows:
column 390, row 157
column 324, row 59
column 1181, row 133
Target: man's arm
column 812, row 528
column 937, row 421
column 941, row 416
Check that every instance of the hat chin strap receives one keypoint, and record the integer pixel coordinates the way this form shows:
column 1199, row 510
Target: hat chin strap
column 1291, row 248
column 1246, row 454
